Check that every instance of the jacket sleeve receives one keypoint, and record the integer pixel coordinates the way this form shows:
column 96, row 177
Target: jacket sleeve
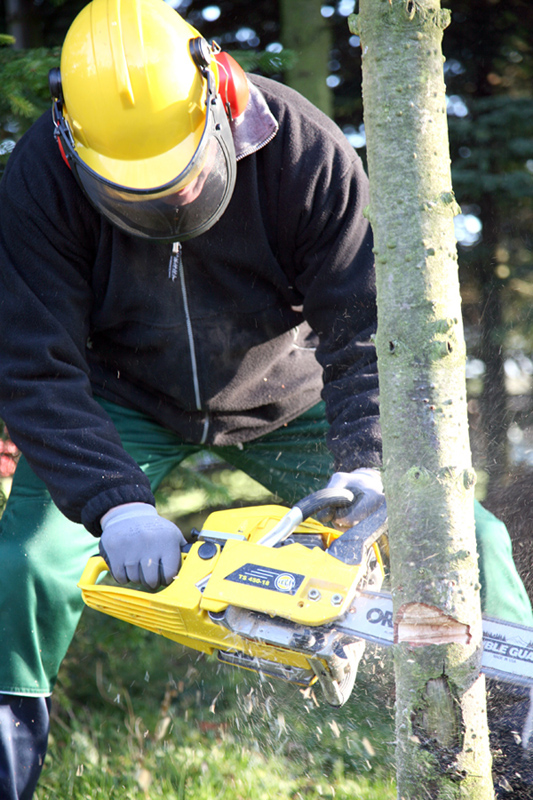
column 327, row 244
column 48, row 239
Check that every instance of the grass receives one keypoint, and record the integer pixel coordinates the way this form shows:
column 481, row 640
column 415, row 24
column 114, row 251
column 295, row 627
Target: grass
column 136, row 716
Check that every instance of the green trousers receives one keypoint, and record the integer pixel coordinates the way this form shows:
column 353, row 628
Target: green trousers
column 42, row 554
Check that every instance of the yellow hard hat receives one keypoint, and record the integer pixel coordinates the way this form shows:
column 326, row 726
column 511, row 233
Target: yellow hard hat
column 139, row 118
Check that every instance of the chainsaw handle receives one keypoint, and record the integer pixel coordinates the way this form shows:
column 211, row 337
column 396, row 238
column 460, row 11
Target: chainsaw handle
column 303, row 509
column 352, row 546
column 96, row 565
column 93, row 569
column 324, row 498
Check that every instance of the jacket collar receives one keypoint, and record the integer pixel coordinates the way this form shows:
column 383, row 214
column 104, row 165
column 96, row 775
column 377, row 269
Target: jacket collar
column 256, row 127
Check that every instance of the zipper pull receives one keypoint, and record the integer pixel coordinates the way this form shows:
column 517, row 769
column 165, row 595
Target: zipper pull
column 175, row 260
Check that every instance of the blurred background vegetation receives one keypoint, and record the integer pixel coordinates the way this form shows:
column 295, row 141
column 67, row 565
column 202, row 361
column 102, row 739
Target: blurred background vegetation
column 306, row 43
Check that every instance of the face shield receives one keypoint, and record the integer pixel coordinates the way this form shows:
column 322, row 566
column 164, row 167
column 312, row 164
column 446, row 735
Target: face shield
column 181, row 209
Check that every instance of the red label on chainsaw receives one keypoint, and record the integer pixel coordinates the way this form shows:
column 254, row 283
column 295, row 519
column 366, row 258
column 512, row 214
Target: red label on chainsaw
column 263, row 577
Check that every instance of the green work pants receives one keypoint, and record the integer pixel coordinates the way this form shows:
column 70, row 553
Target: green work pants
column 43, row 554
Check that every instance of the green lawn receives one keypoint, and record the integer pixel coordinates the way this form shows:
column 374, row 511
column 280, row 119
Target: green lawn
column 137, row 716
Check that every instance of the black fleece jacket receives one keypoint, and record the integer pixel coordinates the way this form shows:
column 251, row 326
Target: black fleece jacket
column 223, row 341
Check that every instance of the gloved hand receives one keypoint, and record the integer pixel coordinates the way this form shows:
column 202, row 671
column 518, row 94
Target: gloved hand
column 139, row 545
column 366, row 485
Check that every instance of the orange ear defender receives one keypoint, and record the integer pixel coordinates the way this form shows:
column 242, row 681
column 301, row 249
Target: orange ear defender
column 232, row 85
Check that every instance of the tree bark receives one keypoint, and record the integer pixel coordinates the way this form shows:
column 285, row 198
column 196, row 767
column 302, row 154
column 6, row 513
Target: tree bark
column 442, row 748
column 305, row 31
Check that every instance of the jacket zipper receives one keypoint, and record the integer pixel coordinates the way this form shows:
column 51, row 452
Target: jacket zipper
column 176, row 270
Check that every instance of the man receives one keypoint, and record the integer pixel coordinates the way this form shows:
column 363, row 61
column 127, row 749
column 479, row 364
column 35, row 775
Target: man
column 185, row 265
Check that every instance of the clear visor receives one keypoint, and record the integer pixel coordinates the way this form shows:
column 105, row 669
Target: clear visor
column 181, row 209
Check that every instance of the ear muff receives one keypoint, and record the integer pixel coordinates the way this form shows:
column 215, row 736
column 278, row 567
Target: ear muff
column 54, row 84
column 232, row 85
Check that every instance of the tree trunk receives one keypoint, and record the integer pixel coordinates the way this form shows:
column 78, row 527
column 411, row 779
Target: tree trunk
column 23, row 23
column 305, row 31
column 493, row 402
column 441, row 727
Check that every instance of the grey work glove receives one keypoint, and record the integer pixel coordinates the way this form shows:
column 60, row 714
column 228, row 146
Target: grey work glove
column 366, row 485
column 140, row 546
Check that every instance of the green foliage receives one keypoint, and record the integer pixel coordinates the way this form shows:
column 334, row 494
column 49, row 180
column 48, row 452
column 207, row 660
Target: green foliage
column 493, row 148
column 24, row 93
column 263, row 61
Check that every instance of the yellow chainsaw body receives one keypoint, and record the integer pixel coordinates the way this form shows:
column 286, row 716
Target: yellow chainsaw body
column 302, row 584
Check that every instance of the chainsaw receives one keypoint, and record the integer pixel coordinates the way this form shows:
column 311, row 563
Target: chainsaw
column 273, row 590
